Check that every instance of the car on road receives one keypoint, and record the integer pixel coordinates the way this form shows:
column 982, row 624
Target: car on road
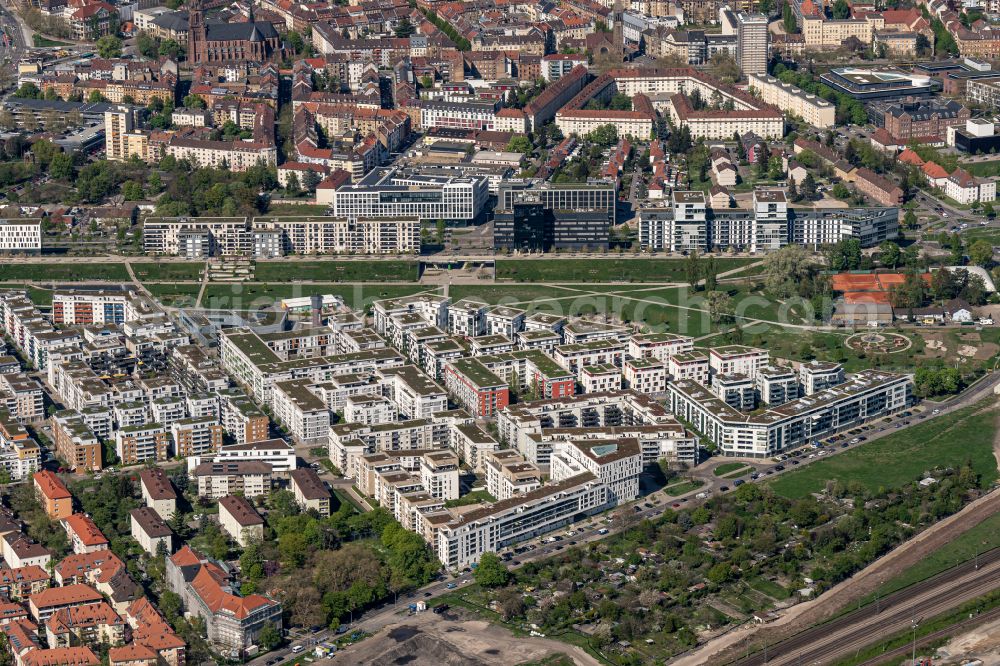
column 778, row 468
column 724, row 489
column 451, row 586
column 936, row 411
column 738, row 482
column 675, row 504
column 795, row 462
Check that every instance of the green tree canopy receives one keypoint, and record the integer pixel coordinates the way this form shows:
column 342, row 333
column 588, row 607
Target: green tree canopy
column 491, row 571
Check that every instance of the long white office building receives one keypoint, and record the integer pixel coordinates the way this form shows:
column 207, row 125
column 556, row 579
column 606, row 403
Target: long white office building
column 400, row 193
column 865, row 396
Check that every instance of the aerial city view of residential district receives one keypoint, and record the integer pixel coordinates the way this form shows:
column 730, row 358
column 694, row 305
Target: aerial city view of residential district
column 499, row 332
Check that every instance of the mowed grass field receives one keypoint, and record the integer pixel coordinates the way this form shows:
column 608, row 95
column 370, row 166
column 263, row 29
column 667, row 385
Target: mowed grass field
column 168, row 271
column 71, row 270
column 375, row 270
column 904, row 456
column 602, row 270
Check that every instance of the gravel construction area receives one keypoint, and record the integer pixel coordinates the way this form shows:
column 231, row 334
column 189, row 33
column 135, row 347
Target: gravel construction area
column 453, row 639
column 981, row 643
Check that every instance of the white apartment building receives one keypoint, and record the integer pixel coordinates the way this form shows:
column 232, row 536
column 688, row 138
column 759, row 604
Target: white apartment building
column 369, row 410
column 460, row 115
column 509, row 474
column 233, row 155
column 818, row 376
column 467, row 318
column 219, row 479
column 301, row 411
column 168, row 410
column 462, row 541
column 503, row 320
column 692, row 365
column 439, row 474
column 616, row 463
column 868, row 395
column 737, row 391
column 770, row 228
column 580, row 331
column 433, row 310
column 349, row 441
column 645, row 375
column 269, row 237
column 600, row 378
column 668, row 441
column 151, row 532
column 139, row 443
column 777, row 385
column 596, row 352
column 751, row 43
column 519, row 422
column 660, row 346
column 472, row 444
column 276, row 452
column 737, row 360
column 414, row 393
column 17, row 236
column 254, row 362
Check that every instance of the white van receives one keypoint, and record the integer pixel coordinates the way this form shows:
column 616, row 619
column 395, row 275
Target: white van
column 297, row 649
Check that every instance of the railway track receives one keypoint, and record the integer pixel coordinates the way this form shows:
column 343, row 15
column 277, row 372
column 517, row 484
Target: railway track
column 902, row 651
column 861, row 627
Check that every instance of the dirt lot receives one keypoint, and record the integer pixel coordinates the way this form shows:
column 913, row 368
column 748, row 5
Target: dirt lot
column 453, row 639
column 981, row 643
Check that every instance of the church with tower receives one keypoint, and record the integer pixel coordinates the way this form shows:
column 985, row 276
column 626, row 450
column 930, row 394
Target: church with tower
column 249, row 40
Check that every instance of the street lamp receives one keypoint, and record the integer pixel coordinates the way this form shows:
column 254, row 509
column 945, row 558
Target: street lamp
column 913, row 656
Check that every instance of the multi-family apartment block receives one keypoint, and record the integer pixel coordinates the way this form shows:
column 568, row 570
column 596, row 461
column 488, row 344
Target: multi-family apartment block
column 310, row 491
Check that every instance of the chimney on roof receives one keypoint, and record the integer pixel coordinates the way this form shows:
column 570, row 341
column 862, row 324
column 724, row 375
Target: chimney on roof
column 316, row 301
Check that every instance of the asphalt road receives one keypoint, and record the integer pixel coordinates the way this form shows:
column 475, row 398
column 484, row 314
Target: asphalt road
column 16, row 48
column 650, row 507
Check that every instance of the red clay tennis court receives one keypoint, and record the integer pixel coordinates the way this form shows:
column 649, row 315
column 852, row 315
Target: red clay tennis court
column 854, row 282
column 858, row 297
